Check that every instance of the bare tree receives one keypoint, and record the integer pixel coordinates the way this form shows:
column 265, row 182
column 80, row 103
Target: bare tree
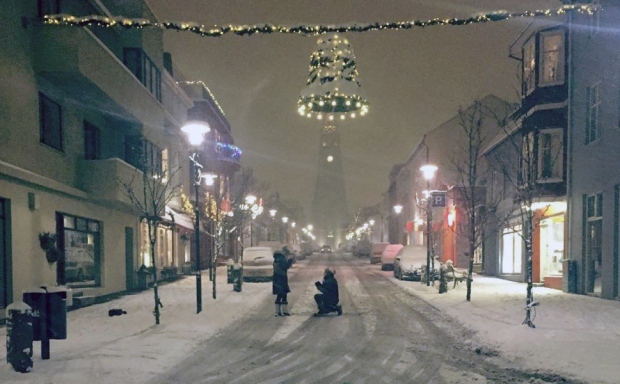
column 529, row 160
column 472, row 174
column 150, row 190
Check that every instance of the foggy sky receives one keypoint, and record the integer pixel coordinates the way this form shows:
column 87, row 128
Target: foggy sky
column 414, row 80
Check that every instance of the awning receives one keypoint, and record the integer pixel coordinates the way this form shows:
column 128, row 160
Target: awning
column 178, row 218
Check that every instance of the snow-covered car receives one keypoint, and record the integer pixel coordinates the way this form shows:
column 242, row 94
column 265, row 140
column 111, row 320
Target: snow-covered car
column 257, row 264
column 376, row 252
column 388, row 256
column 408, row 262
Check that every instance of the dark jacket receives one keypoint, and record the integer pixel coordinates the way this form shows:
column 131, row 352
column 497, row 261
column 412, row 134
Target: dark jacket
column 280, row 276
column 329, row 287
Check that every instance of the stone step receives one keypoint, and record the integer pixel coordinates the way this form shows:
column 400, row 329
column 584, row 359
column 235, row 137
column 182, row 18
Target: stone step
column 83, row 301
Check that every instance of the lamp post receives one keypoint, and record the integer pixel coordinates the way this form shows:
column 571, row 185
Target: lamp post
column 272, row 213
column 250, row 200
column 195, row 131
column 428, row 171
column 285, row 221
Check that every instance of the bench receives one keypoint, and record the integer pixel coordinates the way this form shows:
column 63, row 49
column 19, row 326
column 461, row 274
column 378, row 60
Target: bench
column 456, row 275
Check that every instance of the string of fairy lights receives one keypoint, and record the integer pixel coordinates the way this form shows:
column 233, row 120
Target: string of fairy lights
column 302, row 29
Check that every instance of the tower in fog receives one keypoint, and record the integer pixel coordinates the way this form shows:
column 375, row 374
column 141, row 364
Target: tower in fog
column 329, row 206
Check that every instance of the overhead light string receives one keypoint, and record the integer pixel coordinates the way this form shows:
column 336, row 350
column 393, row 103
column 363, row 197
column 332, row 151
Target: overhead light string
column 302, row 29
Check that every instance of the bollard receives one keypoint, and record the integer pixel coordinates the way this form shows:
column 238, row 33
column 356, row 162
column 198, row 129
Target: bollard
column 19, row 336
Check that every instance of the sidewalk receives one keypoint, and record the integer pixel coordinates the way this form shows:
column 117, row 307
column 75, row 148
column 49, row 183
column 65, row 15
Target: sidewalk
column 575, row 336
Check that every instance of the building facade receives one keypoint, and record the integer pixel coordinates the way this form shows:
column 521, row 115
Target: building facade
column 84, row 111
column 594, row 179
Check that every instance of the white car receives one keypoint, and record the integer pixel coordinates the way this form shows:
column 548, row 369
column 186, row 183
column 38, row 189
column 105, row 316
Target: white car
column 388, row 256
column 376, row 252
column 257, row 264
column 408, row 262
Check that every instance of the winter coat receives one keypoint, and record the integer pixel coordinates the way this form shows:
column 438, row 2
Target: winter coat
column 280, row 276
column 329, row 287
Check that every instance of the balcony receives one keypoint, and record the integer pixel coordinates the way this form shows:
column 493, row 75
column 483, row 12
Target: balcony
column 228, row 157
column 77, row 62
column 102, row 179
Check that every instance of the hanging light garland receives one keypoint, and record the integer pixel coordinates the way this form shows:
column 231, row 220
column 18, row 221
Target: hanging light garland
column 267, row 28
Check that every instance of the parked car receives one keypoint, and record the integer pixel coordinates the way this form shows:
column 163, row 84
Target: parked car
column 274, row 245
column 306, row 249
column 408, row 262
column 326, row 249
column 257, row 264
column 376, row 252
column 362, row 248
column 388, row 256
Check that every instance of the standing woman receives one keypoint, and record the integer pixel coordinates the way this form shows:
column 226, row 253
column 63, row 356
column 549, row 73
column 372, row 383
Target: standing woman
column 280, row 282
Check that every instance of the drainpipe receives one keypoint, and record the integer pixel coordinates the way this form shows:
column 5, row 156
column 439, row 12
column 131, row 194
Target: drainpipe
column 569, row 148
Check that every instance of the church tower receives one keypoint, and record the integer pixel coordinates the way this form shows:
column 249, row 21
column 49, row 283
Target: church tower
column 329, row 206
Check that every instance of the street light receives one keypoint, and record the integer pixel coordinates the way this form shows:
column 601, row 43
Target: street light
column 195, row 131
column 250, row 200
column 398, row 209
column 428, row 171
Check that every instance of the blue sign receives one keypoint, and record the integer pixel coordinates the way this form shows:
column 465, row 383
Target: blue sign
column 438, row 199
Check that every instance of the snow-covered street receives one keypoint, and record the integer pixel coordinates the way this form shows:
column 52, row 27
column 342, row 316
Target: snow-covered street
column 570, row 329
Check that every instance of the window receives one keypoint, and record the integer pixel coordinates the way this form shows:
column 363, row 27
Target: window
column 594, row 206
column 527, row 158
column 529, row 66
column 48, row 7
column 165, row 166
column 512, row 250
column 552, row 58
column 164, row 247
column 594, row 101
column 143, row 155
column 144, row 69
column 92, row 146
column 551, row 155
column 595, row 21
column 81, row 243
column 50, row 122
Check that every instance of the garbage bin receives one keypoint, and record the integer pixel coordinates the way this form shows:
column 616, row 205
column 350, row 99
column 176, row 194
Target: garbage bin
column 19, row 336
column 49, row 305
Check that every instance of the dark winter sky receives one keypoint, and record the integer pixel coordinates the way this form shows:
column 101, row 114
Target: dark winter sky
column 414, row 80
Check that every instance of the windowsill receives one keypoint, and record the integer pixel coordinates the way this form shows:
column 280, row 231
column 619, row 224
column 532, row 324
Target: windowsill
column 60, row 151
column 593, row 143
column 551, row 84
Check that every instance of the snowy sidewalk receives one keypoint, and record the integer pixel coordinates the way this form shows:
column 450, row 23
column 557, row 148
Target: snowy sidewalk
column 575, row 335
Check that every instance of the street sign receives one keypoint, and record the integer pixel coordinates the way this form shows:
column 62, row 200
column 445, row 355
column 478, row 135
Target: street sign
column 438, row 199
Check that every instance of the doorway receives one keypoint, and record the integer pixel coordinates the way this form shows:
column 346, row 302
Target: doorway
column 594, row 256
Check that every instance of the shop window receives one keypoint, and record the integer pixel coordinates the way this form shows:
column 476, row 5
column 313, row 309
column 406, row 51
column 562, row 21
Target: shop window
column 551, row 155
column 551, row 245
column 82, row 247
column 50, row 123
column 164, row 245
column 552, row 58
column 512, row 250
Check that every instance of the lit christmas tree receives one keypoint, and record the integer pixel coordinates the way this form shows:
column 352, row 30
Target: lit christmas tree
column 333, row 87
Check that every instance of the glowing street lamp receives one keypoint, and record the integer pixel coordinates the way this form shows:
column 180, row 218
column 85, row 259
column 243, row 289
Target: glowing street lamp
column 398, row 209
column 428, row 172
column 195, row 131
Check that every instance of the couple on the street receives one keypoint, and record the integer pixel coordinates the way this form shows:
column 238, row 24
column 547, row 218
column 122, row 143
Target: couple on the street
column 327, row 300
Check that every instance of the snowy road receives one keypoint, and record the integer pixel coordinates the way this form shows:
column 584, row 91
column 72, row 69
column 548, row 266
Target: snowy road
column 384, row 335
